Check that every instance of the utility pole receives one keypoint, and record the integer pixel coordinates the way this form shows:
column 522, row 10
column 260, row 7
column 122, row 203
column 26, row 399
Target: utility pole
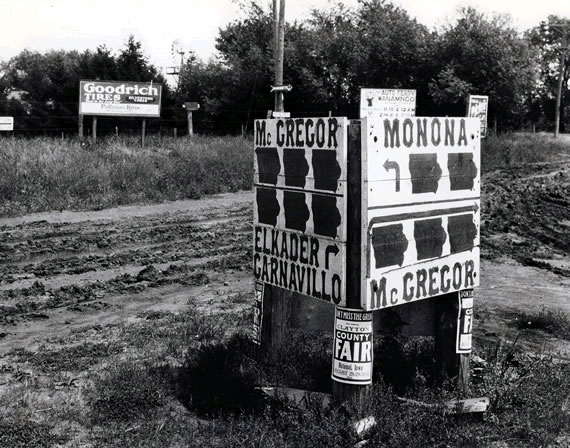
column 278, row 47
column 561, row 28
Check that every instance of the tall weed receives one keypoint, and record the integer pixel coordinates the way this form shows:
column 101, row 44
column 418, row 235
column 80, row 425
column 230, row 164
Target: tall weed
column 42, row 174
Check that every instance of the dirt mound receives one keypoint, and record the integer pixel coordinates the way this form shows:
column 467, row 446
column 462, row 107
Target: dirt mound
column 525, row 215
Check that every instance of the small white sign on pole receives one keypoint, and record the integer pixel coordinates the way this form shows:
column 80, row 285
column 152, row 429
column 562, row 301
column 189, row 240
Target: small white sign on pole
column 477, row 106
column 6, row 123
column 387, row 103
column 465, row 322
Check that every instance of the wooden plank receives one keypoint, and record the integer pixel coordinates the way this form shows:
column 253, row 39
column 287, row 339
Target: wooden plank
column 413, row 319
column 418, row 160
column 275, row 327
column 449, row 364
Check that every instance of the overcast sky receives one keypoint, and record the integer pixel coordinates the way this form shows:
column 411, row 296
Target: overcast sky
column 81, row 24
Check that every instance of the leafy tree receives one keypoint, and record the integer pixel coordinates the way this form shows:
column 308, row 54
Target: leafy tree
column 548, row 44
column 41, row 89
column 488, row 56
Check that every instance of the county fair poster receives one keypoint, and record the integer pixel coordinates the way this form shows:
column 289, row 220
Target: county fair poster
column 131, row 99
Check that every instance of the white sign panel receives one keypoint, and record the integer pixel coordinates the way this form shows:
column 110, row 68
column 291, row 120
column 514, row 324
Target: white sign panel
column 257, row 312
column 422, row 201
column 477, row 106
column 300, row 205
column 387, row 103
column 353, row 350
column 465, row 322
column 6, row 123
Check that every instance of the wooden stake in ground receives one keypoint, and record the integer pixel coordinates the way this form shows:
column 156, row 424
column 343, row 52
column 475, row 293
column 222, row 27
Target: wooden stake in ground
column 449, row 363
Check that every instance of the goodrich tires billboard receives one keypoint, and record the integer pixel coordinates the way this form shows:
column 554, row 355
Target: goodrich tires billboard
column 127, row 99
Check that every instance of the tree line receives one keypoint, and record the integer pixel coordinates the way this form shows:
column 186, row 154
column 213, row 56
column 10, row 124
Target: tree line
column 328, row 58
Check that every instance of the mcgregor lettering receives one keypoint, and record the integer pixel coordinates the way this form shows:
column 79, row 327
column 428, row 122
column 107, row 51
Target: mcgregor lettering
column 422, row 283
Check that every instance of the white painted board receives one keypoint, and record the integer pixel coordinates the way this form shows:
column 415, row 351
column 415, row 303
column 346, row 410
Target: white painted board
column 421, row 181
column 300, row 184
column 6, row 123
column 477, row 106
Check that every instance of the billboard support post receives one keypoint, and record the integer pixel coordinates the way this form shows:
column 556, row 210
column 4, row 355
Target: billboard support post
column 190, row 124
column 94, row 129
column 143, row 132
column 80, row 125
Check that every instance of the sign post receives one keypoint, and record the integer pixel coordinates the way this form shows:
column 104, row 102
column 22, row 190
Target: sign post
column 190, row 106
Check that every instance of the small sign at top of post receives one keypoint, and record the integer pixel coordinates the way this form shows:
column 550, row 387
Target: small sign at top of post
column 191, row 105
column 6, row 123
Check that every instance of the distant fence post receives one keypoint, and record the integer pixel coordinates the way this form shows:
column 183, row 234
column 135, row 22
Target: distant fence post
column 80, row 124
column 94, row 129
column 143, row 132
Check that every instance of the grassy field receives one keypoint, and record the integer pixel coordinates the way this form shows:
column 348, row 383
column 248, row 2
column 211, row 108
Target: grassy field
column 189, row 379
column 41, row 174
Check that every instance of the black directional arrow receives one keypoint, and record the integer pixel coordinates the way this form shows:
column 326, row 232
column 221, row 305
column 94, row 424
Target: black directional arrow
column 330, row 249
column 393, row 166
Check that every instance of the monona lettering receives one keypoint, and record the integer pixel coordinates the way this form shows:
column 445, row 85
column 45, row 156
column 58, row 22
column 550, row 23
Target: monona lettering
column 420, row 132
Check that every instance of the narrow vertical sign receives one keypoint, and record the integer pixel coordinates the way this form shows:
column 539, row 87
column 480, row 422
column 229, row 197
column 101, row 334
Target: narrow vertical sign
column 465, row 321
column 477, row 106
column 257, row 312
column 352, row 351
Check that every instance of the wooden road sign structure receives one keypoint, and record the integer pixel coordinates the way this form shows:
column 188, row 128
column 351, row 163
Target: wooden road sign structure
column 366, row 216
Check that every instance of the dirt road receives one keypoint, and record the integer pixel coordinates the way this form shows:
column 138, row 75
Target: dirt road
column 63, row 271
